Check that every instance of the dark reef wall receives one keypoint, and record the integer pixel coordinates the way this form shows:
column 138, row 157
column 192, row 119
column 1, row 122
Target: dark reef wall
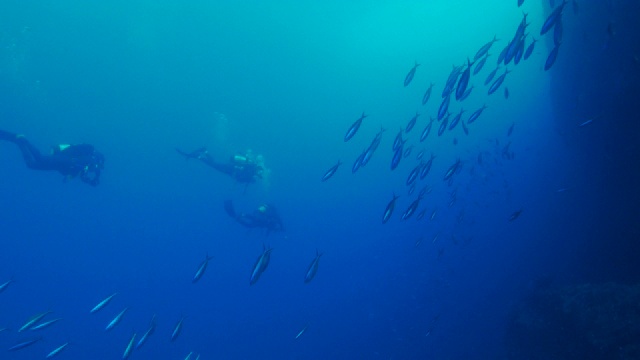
column 597, row 77
column 577, row 322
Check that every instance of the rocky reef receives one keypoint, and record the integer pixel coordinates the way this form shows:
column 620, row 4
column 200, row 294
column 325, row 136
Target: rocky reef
column 588, row 321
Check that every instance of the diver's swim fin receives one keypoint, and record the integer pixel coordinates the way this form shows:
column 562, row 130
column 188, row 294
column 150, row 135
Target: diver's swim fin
column 186, row 155
column 196, row 154
column 228, row 207
column 5, row 135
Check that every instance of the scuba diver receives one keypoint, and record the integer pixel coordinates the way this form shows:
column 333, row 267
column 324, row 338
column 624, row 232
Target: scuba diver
column 265, row 216
column 240, row 167
column 72, row 161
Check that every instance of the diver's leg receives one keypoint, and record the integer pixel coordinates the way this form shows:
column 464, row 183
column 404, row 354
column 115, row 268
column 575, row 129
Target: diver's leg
column 32, row 156
column 196, row 154
column 228, row 207
column 25, row 147
column 185, row 154
column 223, row 168
column 7, row 136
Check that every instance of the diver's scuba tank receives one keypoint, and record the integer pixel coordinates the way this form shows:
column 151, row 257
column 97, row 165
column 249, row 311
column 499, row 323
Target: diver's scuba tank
column 59, row 148
column 240, row 159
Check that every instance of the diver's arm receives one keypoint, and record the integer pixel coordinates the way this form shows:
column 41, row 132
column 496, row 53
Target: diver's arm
column 90, row 177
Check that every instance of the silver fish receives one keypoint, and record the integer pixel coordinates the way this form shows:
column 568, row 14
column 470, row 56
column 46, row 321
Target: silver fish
column 530, row 48
column 398, row 142
column 201, row 269
column 585, row 123
column 302, row 331
column 484, row 49
column 177, row 329
column 397, row 156
column 25, row 343
column 359, row 162
column 388, row 211
column 492, row 74
column 413, row 175
column 452, row 170
column 411, row 123
column 103, row 303
column 412, row 208
column 558, row 32
column 451, row 81
column 313, row 268
column 464, row 128
column 427, row 167
column 466, row 93
column 503, row 54
column 464, row 81
column 444, row 106
column 475, row 114
column 407, row 152
column 515, row 215
column 116, row 319
column 412, row 72
column 260, row 265
column 354, row 127
column 4, row 285
column 33, row 320
column 129, row 348
column 56, row 351
column 427, row 94
column 551, row 59
column 149, row 332
column 456, row 120
column 552, row 18
column 366, row 156
column 496, row 84
column 45, row 324
column 426, row 130
column 480, row 65
column 519, row 52
column 443, row 126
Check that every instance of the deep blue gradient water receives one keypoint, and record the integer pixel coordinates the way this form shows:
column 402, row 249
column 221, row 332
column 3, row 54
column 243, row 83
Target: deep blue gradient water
column 285, row 81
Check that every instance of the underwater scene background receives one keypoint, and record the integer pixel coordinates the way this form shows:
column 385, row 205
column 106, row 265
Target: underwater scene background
column 520, row 240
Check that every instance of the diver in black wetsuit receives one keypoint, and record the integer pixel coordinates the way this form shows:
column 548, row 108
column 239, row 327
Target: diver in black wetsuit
column 80, row 160
column 265, row 216
column 240, row 167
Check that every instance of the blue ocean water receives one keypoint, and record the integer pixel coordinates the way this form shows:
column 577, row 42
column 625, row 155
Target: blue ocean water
column 285, row 81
